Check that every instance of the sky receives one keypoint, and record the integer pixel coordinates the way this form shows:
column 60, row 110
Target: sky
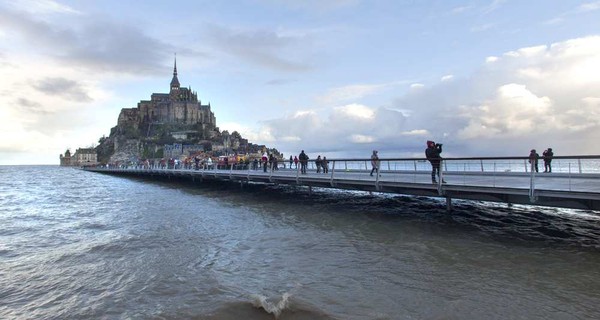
column 338, row 78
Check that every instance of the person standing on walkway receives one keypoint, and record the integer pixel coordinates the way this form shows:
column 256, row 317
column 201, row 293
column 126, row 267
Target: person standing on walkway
column 548, row 154
column 318, row 164
column 375, row 163
column 533, row 160
column 265, row 161
column 295, row 162
column 432, row 153
column 291, row 161
column 325, row 165
column 303, row 161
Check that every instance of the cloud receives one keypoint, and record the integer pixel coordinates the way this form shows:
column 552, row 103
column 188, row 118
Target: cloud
column 581, row 9
column 351, row 93
column 338, row 129
column 95, row 43
column 483, row 27
column 495, row 5
column 319, row 6
column 513, row 112
column 42, row 7
column 265, row 48
column 279, row 82
column 68, row 89
column 461, row 9
column 531, row 97
column 589, row 6
column 447, row 77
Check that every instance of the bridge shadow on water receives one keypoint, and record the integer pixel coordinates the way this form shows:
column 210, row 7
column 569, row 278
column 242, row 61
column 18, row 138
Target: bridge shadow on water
column 518, row 224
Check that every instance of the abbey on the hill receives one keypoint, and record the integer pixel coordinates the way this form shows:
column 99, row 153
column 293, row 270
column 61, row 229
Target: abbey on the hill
column 180, row 106
column 171, row 125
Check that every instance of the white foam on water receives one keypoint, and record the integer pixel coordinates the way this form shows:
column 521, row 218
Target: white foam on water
column 274, row 308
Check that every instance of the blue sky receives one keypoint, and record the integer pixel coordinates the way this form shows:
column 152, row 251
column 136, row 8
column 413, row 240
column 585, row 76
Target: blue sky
column 338, row 78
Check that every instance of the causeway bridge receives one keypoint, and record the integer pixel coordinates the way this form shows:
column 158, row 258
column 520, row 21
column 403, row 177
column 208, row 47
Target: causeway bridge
column 573, row 183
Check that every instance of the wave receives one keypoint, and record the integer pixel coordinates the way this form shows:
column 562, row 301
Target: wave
column 269, row 306
column 261, row 307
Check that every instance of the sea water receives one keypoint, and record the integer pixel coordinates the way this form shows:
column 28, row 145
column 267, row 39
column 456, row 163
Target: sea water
column 83, row 245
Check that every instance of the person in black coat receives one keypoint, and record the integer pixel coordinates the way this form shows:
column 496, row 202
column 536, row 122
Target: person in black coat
column 432, row 153
column 303, row 161
column 548, row 154
column 533, row 159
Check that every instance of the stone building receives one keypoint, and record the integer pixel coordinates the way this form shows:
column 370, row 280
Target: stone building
column 84, row 157
column 180, row 106
column 177, row 150
column 81, row 157
column 66, row 159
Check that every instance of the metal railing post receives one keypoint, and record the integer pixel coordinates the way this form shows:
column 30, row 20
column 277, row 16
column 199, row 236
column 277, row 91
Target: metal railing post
column 298, row 172
column 494, row 176
column 378, row 174
column 332, row 171
column 532, row 183
column 570, row 176
column 441, row 178
column 579, row 164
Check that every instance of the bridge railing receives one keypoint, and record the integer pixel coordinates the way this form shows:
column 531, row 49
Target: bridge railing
column 509, row 172
column 498, row 172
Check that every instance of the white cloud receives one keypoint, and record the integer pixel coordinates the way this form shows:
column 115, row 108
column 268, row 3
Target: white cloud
column 361, row 139
column 417, row 86
column 531, row 98
column 447, row 77
column 493, row 6
column 482, row 27
column 589, row 6
column 350, row 93
column 416, row 132
column 356, row 111
column 514, row 111
column 461, row 9
column 42, row 7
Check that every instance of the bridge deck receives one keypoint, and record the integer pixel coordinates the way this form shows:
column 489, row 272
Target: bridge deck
column 579, row 190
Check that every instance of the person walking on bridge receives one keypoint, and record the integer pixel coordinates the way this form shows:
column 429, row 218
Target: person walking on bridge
column 375, row 163
column 432, row 153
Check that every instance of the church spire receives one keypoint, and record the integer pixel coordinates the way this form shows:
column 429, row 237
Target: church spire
column 175, row 67
column 175, row 81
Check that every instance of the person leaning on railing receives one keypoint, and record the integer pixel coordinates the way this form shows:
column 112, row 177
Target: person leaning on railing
column 533, row 160
column 548, row 154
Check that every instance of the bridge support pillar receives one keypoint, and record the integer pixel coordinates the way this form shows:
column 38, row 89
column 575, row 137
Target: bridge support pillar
column 448, row 204
column 310, row 190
